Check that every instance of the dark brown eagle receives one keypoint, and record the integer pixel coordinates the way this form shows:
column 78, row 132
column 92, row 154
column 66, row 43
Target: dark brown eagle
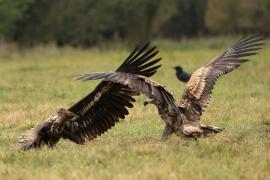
column 182, row 117
column 98, row 111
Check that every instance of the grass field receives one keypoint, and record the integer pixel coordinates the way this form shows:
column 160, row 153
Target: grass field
column 35, row 82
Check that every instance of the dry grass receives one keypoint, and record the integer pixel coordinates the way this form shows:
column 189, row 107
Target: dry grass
column 37, row 82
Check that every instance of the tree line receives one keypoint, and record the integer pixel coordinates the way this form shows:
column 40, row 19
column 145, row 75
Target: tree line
column 88, row 22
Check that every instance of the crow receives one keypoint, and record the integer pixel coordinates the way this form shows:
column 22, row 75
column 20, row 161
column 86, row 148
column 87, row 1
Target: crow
column 181, row 74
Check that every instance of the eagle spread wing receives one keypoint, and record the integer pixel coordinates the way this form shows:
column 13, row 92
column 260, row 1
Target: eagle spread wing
column 140, row 83
column 199, row 88
column 103, row 107
column 98, row 111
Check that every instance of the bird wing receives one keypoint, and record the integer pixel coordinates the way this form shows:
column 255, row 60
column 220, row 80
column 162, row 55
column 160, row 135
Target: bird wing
column 199, row 88
column 108, row 102
column 140, row 83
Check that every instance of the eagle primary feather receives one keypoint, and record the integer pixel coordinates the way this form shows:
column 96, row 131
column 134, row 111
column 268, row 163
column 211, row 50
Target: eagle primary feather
column 180, row 118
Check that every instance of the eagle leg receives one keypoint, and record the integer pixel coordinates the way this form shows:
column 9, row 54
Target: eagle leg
column 168, row 130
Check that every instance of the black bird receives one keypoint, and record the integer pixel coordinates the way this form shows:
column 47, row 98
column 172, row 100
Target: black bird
column 98, row 111
column 181, row 74
column 182, row 117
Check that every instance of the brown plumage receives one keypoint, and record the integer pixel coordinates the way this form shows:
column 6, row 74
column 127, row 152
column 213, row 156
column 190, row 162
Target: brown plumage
column 48, row 132
column 97, row 112
column 181, row 118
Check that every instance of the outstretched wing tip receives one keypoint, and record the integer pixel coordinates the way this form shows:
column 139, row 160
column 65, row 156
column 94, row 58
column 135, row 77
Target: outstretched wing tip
column 199, row 89
column 140, row 60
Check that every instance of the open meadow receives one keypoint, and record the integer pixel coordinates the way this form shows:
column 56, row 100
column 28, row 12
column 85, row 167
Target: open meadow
column 36, row 82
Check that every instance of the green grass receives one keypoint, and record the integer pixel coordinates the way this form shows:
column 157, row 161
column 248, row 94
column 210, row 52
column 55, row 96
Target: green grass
column 36, row 82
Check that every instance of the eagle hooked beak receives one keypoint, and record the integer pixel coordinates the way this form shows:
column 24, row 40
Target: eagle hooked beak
column 147, row 101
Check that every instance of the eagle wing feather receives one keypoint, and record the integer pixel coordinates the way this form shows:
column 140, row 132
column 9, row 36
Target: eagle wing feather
column 199, row 88
column 109, row 102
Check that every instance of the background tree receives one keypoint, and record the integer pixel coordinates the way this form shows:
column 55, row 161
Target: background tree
column 188, row 19
column 242, row 16
column 89, row 22
column 10, row 13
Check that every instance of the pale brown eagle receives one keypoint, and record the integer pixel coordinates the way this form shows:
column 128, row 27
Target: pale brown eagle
column 182, row 117
column 98, row 111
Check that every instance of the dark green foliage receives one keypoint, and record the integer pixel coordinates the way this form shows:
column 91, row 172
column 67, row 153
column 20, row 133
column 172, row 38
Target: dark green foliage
column 88, row 22
column 10, row 13
column 188, row 19
column 231, row 16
